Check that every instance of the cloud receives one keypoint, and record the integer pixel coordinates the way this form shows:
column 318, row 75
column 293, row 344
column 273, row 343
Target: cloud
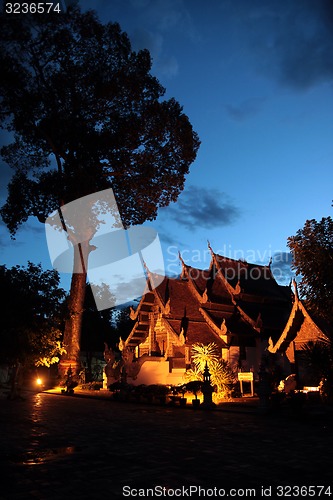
column 128, row 291
column 199, row 207
column 245, row 109
column 292, row 42
column 168, row 66
column 281, row 267
column 166, row 16
column 160, row 18
column 303, row 45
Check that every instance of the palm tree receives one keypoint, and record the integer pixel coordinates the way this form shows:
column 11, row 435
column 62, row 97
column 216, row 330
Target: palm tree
column 202, row 353
column 222, row 375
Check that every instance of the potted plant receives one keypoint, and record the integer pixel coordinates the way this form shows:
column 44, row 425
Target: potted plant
column 182, row 390
column 194, row 386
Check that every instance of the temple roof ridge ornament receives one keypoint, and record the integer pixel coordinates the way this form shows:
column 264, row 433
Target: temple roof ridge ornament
column 147, row 275
column 269, row 267
column 134, row 313
column 167, row 307
column 295, row 290
column 183, row 274
column 238, row 288
column 224, row 328
column 181, row 338
column 205, row 296
column 121, row 344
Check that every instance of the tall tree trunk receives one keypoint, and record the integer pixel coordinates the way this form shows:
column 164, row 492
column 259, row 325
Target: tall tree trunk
column 73, row 324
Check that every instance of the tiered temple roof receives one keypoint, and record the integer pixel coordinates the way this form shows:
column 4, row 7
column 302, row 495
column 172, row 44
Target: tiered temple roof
column 231, row 303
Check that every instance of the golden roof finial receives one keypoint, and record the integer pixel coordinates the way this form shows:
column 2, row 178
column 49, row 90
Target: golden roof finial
column 210, row 247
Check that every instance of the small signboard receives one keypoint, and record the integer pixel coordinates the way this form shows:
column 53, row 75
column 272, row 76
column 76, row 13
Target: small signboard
column 245, row 377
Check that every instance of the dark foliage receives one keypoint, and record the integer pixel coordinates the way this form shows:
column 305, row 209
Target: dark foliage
column 32, row 307
column 312, row 252
column 73, row 89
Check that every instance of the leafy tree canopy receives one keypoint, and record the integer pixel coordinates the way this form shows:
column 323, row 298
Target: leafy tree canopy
column 312, row 252
column 32, row 315
column 87, row 115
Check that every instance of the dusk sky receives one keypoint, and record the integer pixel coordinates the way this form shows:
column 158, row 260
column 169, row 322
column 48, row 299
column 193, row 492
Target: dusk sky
column 255, row 79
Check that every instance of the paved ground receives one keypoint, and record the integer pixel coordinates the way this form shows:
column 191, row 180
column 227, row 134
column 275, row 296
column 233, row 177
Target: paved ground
column 71, row 447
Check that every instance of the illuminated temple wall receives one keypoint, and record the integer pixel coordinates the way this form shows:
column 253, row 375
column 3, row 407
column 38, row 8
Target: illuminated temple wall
column 156, row 370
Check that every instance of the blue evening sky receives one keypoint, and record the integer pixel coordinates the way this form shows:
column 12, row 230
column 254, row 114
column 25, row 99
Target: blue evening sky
column 255, row 79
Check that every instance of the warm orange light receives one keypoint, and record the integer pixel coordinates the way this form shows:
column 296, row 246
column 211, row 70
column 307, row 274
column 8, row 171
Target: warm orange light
column 39, row 381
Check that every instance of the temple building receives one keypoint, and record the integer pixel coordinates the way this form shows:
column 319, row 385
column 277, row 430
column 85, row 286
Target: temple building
column 236, row 305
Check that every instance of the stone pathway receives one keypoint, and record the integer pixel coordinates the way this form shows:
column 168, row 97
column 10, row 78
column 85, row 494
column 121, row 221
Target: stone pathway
column 72, row 447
